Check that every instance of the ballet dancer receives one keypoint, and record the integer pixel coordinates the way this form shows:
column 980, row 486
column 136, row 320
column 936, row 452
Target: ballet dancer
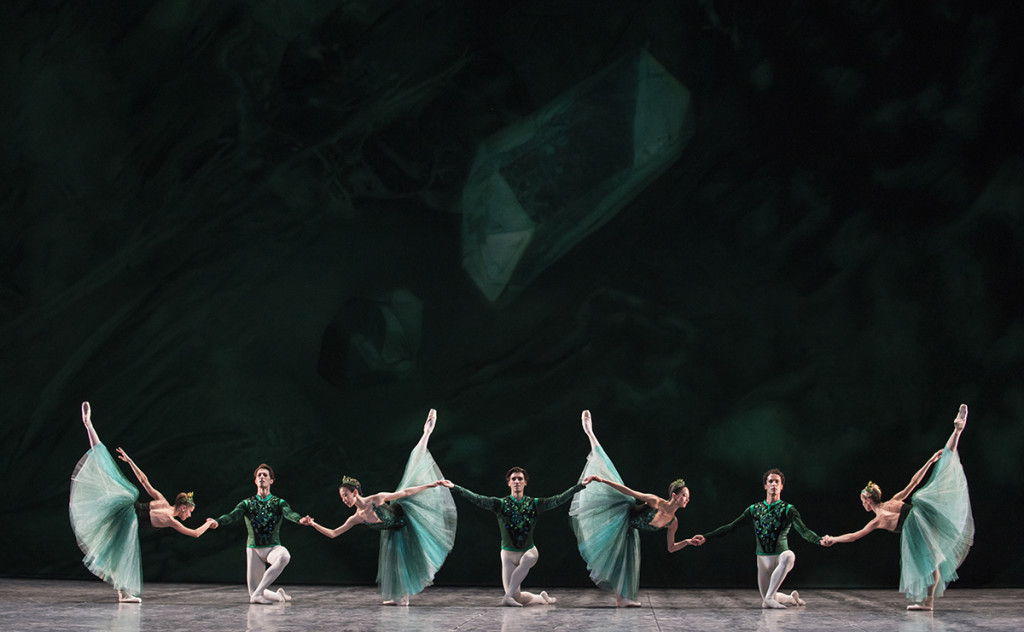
column 935, row 523
column 106, row 517
column 416, row 523
column 265, row 556
column 606, row 519
column 517, row 519
column 772, row 520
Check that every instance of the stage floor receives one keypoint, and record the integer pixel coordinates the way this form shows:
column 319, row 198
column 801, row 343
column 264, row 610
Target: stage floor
column 91, row 605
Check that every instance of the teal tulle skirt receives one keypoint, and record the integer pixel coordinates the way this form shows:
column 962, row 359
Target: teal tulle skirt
column 938, row 532
column 412, row 555
column 102, row 510
column 600, row 518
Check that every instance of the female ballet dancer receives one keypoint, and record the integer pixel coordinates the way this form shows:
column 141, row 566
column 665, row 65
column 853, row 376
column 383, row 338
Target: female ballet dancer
column 606, row 519
column 936, row 523
column 106, row 517
column 416, row 523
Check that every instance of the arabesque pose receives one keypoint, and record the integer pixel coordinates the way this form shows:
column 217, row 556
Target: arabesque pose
column 416, row 523
column 606, row 519
column 935, row 522
column 106, row 517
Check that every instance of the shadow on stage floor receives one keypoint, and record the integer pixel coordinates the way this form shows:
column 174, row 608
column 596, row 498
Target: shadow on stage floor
column 91, row 605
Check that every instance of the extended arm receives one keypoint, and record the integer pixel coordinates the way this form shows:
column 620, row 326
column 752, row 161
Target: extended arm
column 829, row 540
column 288, row 512
column 489, row 503
column 650, row 499
column 384, row 497
column 194, row 533
column 917, row 478
column 352, row 521
column 139, row 474
column 544, row 504
column 232, row 516
column 801, row 528
column 670, row 538
column 743, row 519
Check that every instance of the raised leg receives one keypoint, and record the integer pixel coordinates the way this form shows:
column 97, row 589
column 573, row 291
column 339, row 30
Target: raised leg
column 958, row 427
column 588, row 428
column 94, row 439
column 428, row 426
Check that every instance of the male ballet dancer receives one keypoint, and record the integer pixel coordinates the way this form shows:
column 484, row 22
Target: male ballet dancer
column 772, row 520
column 517, row 518
column 263, row 515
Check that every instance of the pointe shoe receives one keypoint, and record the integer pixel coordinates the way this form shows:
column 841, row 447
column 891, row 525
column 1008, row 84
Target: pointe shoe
column 547, row 599
column 961, row 418
column 404, row 601
column 622, row 602
column 283, row 595
column 260, row 599
column 124, row 596
column 919, row 606
column 771, row 603
column 508, row 600
column 795, row 595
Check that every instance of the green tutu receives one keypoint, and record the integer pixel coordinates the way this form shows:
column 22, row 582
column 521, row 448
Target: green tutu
column 938, row 531
column 600, row 517
column 103, row 518
column 412, row 555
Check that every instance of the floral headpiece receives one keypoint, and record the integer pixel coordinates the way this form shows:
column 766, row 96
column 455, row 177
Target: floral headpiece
column 188, row 499
column 868, row 488
column 677, row 483
column 348, row 480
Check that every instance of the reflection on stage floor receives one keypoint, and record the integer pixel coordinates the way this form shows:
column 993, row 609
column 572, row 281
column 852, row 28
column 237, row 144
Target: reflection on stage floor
column 92, row 605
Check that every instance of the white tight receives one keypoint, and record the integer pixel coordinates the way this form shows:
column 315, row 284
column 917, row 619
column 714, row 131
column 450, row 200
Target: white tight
column 258, row 575
column 515, row 566
column 771, row 570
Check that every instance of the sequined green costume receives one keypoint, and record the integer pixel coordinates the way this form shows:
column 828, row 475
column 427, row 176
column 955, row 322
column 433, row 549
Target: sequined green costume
column 263, row 517
column 517, row 518
column 391, row 517
column 772, row 522
column 606, row 523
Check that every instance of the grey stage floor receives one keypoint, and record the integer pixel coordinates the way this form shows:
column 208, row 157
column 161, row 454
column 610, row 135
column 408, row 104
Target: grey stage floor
column 91, row 605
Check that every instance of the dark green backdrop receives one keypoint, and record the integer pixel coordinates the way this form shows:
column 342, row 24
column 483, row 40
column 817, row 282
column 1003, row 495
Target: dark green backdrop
column 203, row 201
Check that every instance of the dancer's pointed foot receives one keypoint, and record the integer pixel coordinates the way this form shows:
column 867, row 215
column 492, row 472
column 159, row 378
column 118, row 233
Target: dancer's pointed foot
column 283, row 595
column 123, row 595
column 546, row 597
column 795, row 596
column 86, row 413
column 260, row 599
column 428, row 426
column 404, row 601
column 622, row 602
column 588, row 427
column 771, row 603
column 509, row 600
column 961, row 419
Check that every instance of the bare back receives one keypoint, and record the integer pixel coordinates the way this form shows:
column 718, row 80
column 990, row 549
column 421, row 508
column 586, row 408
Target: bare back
column 889, row 515
column 161, row 514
